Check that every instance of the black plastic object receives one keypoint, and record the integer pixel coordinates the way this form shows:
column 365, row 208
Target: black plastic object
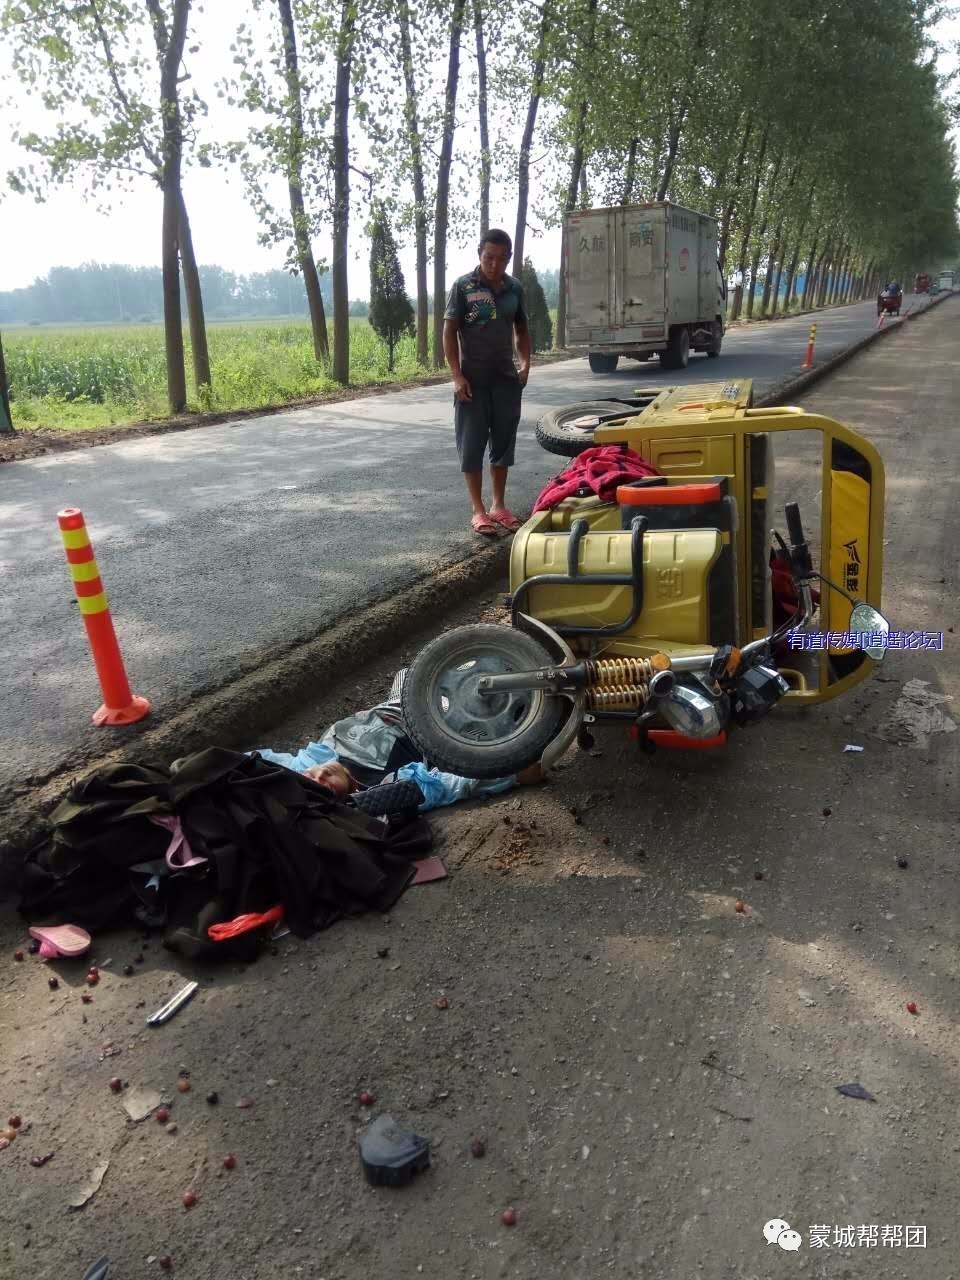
column 799, row 551
column 855, row 1090
column 99, row 1271
column 388, row 798
column 755, row 692
column 391, row 1156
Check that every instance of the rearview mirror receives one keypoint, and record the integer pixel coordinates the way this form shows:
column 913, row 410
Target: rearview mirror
column 871, row 629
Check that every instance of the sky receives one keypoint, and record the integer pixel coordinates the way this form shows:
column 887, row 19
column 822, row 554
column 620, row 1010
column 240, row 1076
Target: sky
column 67, row 229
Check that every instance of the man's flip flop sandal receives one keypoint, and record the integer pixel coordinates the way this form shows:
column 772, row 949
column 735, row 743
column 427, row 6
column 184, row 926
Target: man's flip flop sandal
column 506, row 519
column 484, row 525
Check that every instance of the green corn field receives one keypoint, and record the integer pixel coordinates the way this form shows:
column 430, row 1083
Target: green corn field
column 83, row 378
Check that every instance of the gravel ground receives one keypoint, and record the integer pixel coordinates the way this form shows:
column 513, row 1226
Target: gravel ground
column 653, row 1072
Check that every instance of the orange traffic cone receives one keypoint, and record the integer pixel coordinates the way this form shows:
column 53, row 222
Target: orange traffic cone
column 120, row 706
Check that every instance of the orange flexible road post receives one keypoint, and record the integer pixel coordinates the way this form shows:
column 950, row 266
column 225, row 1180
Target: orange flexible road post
column 808, row 363
column 120, row 706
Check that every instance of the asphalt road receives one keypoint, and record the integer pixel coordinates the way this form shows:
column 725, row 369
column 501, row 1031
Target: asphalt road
column 654, row 1072
column 221, row 545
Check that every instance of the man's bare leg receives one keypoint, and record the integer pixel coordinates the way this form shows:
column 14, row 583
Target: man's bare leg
column 474, row 481
column 498, row 483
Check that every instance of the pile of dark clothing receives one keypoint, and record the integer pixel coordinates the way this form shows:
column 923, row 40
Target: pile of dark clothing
column 217, row 835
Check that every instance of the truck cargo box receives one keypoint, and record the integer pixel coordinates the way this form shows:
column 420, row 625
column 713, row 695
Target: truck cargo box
column 639, row 277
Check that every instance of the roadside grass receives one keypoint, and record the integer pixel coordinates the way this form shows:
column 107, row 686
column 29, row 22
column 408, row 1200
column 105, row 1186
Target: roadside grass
column 82, row 378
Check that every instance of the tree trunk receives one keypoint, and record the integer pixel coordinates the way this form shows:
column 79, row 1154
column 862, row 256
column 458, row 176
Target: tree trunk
column 170, row 49
column 482, row 112
column 808, row 272
column 584, row 192
column 840, row 284
column 419, row 198
column 830, row 276
column 792, row 269
column 298, row 216
column 443, row 182
column 776, row 248
column 526, row 142
column 673, row 144
column 772, row 257
column 576, row 166
column 818, row 278
column 867, row 279
column 676, row 127
column 570, row 203
column 341, row 193
column 191, row 288
column 630, row 175
column 735, row 191
column 748, row 228
column 776, row 282
column 791, row 277
column 823, row 274
column 755, row 263
column 6, row 418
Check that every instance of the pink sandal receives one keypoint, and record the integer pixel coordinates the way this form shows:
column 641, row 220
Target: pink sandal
column 60, row 940
column 506, row 519
column 482, row 523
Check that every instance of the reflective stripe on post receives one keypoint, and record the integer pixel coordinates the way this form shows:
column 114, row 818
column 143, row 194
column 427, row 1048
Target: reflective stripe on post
column 120, row 706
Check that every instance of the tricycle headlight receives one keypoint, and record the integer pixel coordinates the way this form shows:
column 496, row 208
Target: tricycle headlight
column 692, row 712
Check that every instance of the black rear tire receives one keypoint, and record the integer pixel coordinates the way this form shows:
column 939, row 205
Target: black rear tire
column 473, row 736
column 557, row 434
column 677, row 354
column 600, row 363
column 714, row 349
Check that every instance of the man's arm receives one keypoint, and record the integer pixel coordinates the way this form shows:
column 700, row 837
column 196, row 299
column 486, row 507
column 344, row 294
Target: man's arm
column 451, row 353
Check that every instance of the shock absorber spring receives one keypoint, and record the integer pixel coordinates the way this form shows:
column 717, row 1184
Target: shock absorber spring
column 616, row 697
column 624, row 670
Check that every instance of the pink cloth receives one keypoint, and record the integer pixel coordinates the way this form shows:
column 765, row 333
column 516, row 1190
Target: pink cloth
column 598, row 470
column 179, row 854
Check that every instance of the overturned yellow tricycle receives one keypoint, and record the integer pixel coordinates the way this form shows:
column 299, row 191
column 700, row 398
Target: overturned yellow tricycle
column 668, row 603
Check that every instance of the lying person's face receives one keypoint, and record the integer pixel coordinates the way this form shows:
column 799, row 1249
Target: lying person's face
column 333, row 776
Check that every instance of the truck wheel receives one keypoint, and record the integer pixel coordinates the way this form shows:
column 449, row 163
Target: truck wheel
column 714, row 349
column 677, row 354
column 557, row 431
column 600, row 363
column 474, row 735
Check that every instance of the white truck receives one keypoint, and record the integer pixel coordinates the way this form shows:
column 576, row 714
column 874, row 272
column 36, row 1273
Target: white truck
column 643, row 280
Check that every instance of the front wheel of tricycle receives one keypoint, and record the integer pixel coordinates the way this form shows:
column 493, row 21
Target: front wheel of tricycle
column 472, row 734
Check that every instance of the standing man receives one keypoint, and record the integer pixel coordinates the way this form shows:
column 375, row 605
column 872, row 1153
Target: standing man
column 484, row 311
